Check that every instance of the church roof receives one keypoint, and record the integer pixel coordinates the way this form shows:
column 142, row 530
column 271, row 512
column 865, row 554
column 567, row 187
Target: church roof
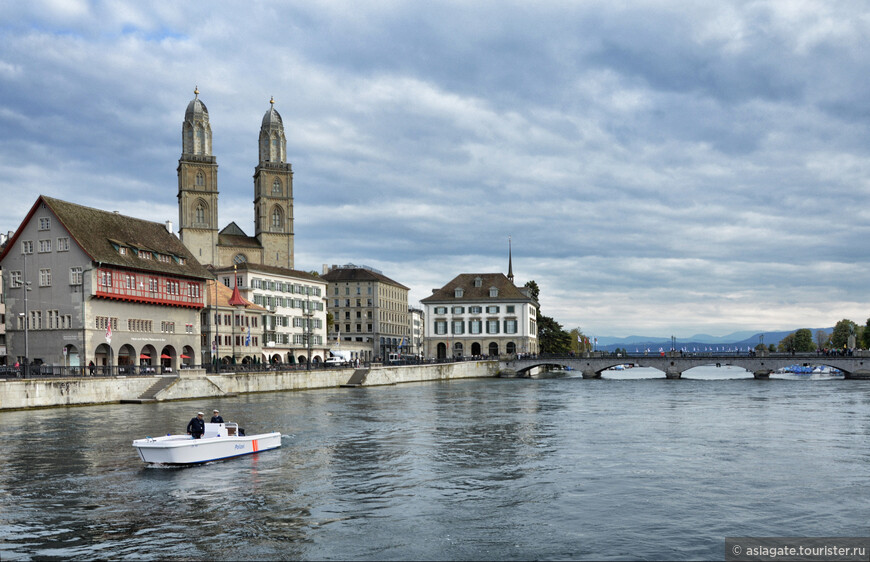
column 272, row 119
column 196, row 109
column 472, row 291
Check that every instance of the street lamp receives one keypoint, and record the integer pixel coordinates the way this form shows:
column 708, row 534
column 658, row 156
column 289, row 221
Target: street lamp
column 84, row 353
column 26, row 322
column 308, row 325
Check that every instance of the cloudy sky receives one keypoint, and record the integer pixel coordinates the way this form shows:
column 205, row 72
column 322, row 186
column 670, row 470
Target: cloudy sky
column 663, row 168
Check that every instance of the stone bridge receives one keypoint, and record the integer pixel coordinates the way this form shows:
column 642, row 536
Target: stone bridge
column 674, row 364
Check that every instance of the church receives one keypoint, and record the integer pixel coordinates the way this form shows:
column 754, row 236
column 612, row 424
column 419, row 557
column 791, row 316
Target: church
column 272, row 242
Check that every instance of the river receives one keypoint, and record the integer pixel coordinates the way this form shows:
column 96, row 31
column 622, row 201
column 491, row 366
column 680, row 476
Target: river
column 627, row 467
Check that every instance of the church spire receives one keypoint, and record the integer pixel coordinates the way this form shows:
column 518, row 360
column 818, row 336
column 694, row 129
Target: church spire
column 510, row 274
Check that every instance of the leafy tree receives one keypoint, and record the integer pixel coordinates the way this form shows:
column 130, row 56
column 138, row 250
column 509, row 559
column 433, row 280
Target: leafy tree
column 579, row 342
column 866, row 338
column 800, row 341
column 822, row 339
column 551, row 337
column 535, row 291
column 771, row 348
column 841, row 333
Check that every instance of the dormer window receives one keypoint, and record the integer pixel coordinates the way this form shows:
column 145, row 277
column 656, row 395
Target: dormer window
column 493, row 291
column 478, row 282
column 458, row 292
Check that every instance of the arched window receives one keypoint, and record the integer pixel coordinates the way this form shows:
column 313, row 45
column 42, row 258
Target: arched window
column 277, row 220
column 200, row 141
column 276, row 187
column 200, row 214
column 200, row 179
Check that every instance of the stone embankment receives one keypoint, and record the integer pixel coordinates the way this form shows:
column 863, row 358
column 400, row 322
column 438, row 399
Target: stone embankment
column 18, row 394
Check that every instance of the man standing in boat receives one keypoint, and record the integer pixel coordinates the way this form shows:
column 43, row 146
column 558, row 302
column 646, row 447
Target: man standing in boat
column 217, row 418
column 196, row 426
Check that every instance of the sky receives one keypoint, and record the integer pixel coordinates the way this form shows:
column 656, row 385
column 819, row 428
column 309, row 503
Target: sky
column 661, row 168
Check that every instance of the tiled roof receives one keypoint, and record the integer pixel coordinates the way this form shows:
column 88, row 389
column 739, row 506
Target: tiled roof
column 348, row 274
column 270, row 270
column 218, row 294
column 98, row 233
column 507, row 291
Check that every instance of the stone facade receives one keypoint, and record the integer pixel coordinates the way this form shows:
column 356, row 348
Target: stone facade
column 370, row 311
column 272, row 243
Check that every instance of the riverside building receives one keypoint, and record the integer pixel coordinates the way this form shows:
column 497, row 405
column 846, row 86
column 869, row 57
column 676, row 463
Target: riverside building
column 478, row 314
column 294, row 321
column 85, row 285
column 369, row 310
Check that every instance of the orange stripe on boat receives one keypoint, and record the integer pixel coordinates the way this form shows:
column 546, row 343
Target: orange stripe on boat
column 256, row 445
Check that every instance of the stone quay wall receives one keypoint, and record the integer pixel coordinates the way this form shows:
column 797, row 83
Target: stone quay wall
column 16, row 394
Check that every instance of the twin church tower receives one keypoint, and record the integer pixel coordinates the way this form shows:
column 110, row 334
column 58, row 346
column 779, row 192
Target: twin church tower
column 272, row 243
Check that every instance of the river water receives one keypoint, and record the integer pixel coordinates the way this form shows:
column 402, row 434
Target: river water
column 624, row 468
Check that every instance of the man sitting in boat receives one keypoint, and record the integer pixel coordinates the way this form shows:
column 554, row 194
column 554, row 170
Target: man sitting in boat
column 217, row 418
column 196, row 426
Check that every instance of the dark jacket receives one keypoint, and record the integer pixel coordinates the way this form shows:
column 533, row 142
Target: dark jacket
column 217, row 419
column 196, row 427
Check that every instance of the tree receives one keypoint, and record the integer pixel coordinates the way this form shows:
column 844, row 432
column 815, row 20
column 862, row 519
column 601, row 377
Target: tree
column 800, row 341
column 551, row 337
column 841, row 333
column 579, row 342
column 535, row 291
column 867, row 335
column 822, row 340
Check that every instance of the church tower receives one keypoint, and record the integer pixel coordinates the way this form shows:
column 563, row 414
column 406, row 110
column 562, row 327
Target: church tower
column 197, row 185
column 273, row 193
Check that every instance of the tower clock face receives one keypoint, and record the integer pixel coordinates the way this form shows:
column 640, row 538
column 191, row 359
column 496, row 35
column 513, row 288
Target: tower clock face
column 240, row 258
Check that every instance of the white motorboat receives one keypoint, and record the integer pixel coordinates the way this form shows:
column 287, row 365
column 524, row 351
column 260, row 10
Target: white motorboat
column 220, row 441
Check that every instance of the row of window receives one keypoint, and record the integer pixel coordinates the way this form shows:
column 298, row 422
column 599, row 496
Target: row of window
column 509, row 309
column 458, row 327
column 337, row 302
column 269, row 301
column 459, row 292
column 45, row 245
column 55, row 320
column 148, row 254
column 297, row 339
column 279, row 286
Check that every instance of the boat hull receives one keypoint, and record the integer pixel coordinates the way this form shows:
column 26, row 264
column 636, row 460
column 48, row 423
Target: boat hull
column 185, row 450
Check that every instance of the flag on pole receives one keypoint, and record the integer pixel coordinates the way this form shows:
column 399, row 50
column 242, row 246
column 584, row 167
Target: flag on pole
column 109, row 333
column 248, row 337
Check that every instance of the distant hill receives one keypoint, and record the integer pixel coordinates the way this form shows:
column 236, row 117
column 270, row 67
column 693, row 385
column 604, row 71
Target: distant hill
column 741, row 339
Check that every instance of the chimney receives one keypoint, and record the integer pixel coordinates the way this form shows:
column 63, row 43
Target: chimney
column 325, row 269
column 169, row 227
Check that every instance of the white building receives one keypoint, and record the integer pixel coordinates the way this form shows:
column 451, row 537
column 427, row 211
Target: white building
column 480, row 314
column 296, row 313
